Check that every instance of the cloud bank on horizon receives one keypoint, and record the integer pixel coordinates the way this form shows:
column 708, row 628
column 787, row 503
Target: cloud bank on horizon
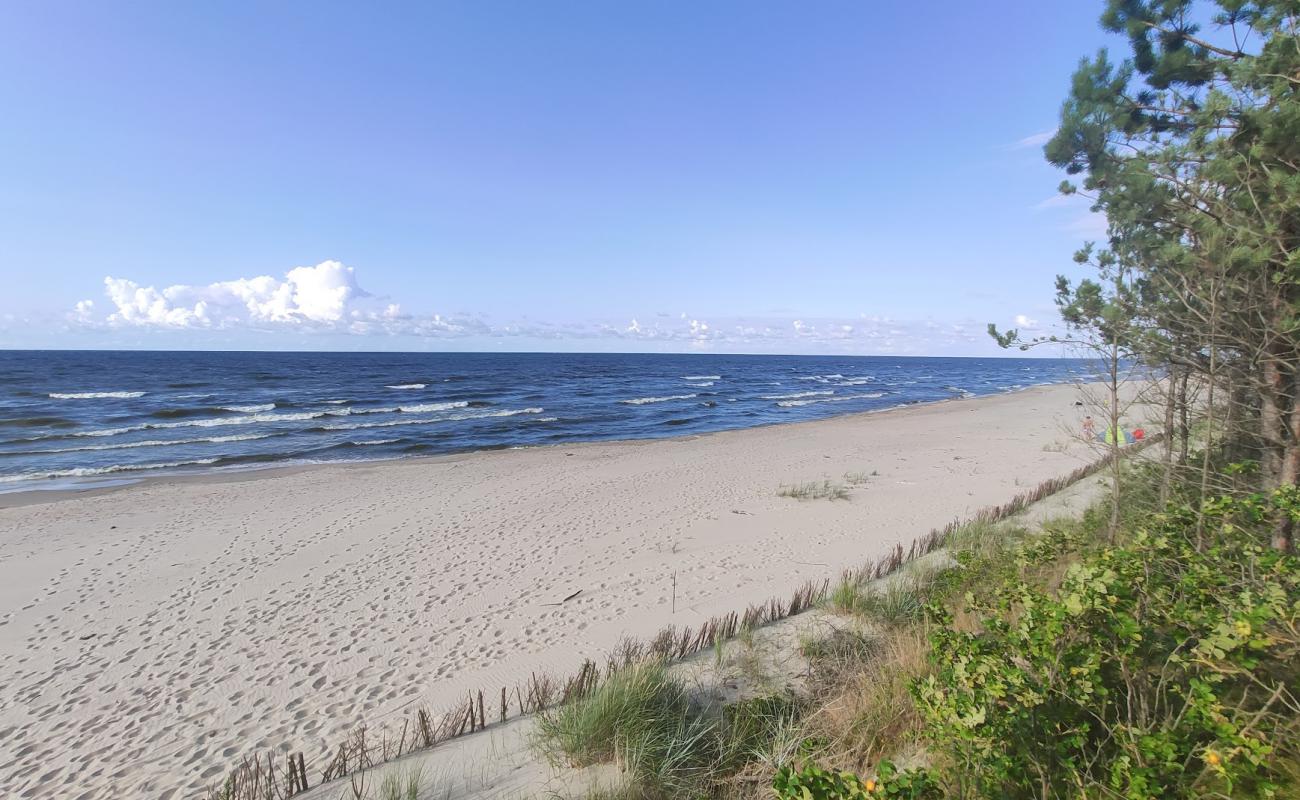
column 327, row 299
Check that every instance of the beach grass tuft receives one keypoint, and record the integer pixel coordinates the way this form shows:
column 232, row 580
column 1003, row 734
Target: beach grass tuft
column 403, row 785
column 666, row 742
column 814, row 490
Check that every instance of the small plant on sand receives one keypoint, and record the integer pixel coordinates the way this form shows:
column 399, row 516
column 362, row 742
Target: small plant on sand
column 814, row 490
column 900, row 601
column 403, row 785
column 856, row 478
column 588, row 731
column 846, row 596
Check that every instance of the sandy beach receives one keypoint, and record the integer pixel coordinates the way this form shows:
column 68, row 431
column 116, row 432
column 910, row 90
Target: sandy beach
column 152, row 635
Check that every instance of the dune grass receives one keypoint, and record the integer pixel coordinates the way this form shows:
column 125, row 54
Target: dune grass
column 401, row 785
column 814, row 490
column 667, row 741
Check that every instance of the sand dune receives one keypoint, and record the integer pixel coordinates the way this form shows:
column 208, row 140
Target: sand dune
column 152, row 635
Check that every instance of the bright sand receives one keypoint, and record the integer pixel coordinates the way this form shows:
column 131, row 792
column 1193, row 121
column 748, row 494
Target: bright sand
column 153, row 635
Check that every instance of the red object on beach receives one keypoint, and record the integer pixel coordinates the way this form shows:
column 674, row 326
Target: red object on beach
column 1139, row 434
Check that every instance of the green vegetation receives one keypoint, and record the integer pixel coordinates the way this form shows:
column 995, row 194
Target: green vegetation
column 814, row 490
column 667, row 742
column 1159, row 659
column 404, row 785
column 1162, row 667
column 1190, row 146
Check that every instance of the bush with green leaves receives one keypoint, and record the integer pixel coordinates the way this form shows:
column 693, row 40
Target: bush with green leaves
column 814, row 783
column 1166, row 667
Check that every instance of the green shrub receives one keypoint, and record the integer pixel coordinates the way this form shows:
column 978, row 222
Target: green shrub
column 814, row 783
column 1166, row 667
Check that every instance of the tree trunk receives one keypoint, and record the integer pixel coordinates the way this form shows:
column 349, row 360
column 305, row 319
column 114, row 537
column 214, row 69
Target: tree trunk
column 1283, row 528
column 1184, row 425
column 1171, row 398
column 1115, row 443
column 1270, row 423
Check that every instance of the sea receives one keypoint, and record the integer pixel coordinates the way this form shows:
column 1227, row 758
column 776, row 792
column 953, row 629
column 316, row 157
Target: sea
column 86, row 419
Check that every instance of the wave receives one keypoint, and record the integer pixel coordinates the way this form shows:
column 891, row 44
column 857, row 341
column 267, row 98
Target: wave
column 701, row 377
column 202, row 423
column 407, row 386
column 795, row 396
column 95, row 395
column 247, row 437
column 640, row 401
column 88, row 472
column 547, row 419
column 702, row 384
column 430, row 407
column 796, row 403
column 253, row 409
column 433, row 420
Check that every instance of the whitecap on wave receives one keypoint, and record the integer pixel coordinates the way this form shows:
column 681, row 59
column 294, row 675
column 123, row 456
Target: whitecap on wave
column 509, row 412
column 87, row 472
column 796, row 395
column 95, row 395
column 640, row 401
column 158, row 443
column 210, row 422
column 426, row 408
column 810, row 401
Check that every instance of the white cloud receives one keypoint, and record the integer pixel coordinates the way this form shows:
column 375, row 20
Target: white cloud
column 1091, row 225
column 322, row 294
column 1025, row 323
column 327, row 299
column 1058, row 200
column 1034, row 140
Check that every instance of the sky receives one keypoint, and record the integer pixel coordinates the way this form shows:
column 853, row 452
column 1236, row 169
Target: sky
column 741, row 177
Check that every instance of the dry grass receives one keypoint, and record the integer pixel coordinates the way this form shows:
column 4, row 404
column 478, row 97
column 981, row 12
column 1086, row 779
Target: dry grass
column 864, row 708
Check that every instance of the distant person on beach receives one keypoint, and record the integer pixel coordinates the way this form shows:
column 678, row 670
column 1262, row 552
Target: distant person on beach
column 1089, row 428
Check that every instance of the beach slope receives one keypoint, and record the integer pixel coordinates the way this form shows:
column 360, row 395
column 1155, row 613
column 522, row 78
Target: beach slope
column 153, row 635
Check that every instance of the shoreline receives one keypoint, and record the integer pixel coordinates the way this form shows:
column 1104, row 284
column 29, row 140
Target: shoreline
column 158, row 634
column 18, row 498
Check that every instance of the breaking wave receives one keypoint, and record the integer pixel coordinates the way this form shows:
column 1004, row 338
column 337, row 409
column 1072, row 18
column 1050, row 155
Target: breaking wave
column 640, row 401
column 796, row 395
column 810, row 401
column 95, row 395
column 88, row 472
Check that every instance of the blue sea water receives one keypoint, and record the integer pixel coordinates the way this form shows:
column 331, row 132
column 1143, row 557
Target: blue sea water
column 80, row 418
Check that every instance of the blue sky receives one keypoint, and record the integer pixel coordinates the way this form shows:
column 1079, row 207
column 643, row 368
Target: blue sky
column 839, row 177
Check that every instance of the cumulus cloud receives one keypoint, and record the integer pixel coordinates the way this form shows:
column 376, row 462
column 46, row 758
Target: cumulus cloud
column 321, row 294
column 1025, row 323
